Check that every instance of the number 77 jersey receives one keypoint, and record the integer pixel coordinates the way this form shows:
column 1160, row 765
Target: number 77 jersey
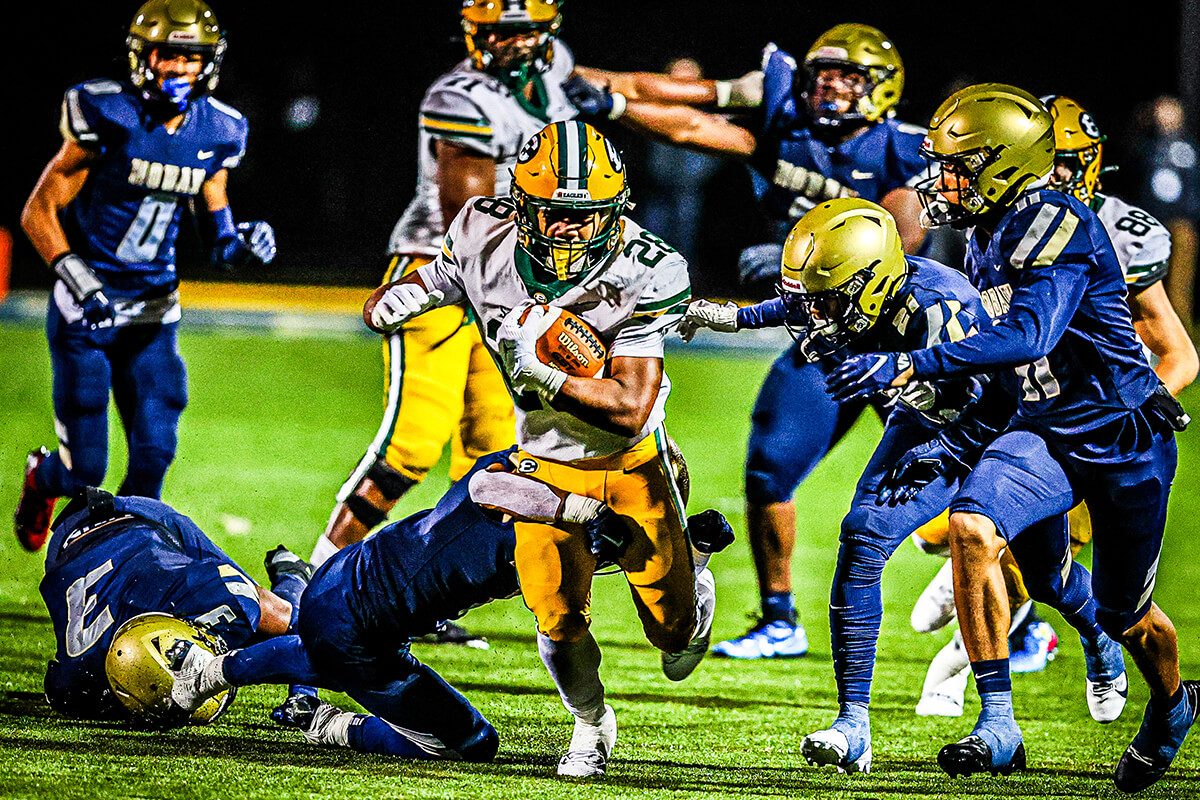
column 632, row 299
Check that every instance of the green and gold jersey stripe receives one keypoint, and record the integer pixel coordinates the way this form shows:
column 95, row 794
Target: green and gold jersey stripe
column 457, row 126
column 662, row 306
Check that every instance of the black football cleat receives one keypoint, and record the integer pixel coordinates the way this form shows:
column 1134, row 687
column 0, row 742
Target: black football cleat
column 1140, row 768
column 972, row 754
column 35, row 511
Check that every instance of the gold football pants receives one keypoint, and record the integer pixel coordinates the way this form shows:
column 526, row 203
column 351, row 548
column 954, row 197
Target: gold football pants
column 936, row 532
column 555, row 565
column 440, row 385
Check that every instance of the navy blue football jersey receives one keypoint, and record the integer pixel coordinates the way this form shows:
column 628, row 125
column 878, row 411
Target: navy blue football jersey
column 147, row 558
column 792, row 170
column 125, row 219
column 431, row 566
column 1062, row 340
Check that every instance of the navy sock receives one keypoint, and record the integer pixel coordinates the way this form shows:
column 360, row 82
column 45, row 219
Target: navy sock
column 778, row 606
column 855, row 613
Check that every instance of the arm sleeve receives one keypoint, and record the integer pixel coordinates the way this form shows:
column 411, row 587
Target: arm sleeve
column 767, row 314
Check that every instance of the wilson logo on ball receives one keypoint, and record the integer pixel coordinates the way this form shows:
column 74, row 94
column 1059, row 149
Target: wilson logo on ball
column 568, row 343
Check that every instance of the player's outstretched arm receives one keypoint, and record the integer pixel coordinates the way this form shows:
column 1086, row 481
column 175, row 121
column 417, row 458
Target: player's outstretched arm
column 1160, row 328
column 692, row 128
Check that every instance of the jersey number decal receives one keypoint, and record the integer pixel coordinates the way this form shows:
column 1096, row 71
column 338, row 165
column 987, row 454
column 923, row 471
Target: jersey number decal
column 1137, row 222
column 80, row 636
column 217, row 616
column 498, row 207
column 149, row 228
column 1037, row 381
column 648, row 248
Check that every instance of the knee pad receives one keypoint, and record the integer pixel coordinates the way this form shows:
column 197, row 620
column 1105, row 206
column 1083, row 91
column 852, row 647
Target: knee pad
column 482, row 746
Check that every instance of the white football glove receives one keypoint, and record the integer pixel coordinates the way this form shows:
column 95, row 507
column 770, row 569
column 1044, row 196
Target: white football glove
column 706, row 314
column 518, row 351
column 401, row 303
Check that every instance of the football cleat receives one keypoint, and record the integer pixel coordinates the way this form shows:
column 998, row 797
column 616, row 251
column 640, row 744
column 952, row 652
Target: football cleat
column 1107, row 683
column 972, row 754
column 453, row 633
column 946, row 681
column 31, row 520
column 320, row 722
column 1153, row 749
column 776, row 638
column 677, row 666
column 831, row 746
column 1037, row 644
column 192, row 687
column 934, row 609
column 591, row 745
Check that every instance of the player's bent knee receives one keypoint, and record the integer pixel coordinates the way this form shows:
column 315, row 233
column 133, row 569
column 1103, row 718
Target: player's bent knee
column 974, row 533
column 765, row 489
column 564, row 627
column 482, row 747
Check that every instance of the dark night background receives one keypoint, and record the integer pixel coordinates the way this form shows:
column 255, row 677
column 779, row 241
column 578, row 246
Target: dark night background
column 334, row 190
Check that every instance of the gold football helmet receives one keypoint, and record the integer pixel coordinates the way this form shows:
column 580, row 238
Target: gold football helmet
column 1077, row 146
column 856, row 49
column 991, row 141
column 487, row 24
column 569, row 191
column 842, row 262
column 138, row 670
column 188, row 26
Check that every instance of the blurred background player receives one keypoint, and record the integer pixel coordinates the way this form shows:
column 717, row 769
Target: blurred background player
column 358, row 617
column 1143, row 248
column 111, row 560
column 561, row 238
column 440, row 384
column 816, row 133
column 104, row 215
column 1093, row 422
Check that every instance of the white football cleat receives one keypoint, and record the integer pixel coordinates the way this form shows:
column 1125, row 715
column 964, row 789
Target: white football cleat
column 946, row 681
column 831, row 747
column 1106, row 699
column 934, row 609
column 591, row 745
column 192, row 687
column 677, row 666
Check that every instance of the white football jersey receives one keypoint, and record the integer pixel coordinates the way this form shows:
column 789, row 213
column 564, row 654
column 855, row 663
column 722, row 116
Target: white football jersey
column 1143, row 244
column 632, row 300
column 473, row 110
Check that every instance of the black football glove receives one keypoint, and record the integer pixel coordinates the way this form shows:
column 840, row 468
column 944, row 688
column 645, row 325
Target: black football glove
column 709, row 531
column 282, row 561
column 608, row 537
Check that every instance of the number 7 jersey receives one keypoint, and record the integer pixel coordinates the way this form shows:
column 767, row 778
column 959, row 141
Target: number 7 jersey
column 632, row 300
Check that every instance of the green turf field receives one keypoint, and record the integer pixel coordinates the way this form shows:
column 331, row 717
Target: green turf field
column 272, row 429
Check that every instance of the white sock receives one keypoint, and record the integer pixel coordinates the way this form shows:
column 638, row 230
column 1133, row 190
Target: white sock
column 575, row 669
column 322, row 551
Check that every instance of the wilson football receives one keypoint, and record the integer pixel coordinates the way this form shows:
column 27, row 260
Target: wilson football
column 568, row 343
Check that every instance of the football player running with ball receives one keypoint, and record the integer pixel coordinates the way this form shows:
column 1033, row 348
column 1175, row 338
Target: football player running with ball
column 105, row 215
column 1093, row 423
column 560, row 239
column 847, row 287
column 812, row 132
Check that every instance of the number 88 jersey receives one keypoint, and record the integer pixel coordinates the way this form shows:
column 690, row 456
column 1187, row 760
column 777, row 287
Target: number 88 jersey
column 632, row 299
column 1142, row 243
column 125, row 219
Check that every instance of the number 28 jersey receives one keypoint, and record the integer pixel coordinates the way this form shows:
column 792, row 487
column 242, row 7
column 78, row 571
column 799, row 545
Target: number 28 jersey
column 632, row 300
